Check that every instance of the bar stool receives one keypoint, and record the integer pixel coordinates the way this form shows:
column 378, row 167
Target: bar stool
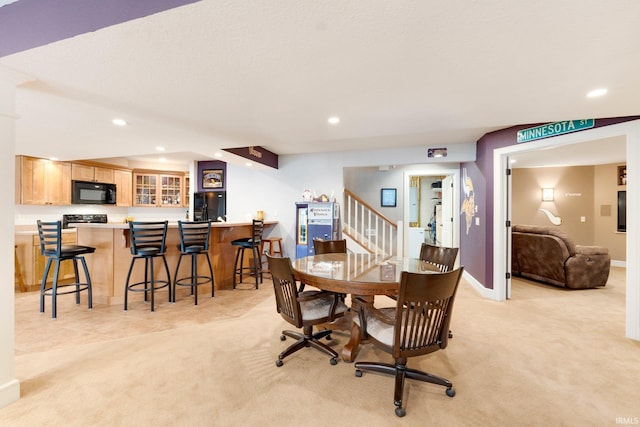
column 194, row 241
column 18, row 270
column 271, row 249
column 147, row 242
column 252, row 243
column 51, row 246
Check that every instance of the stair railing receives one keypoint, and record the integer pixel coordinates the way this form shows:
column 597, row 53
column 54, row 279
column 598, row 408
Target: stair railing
column 368, row 227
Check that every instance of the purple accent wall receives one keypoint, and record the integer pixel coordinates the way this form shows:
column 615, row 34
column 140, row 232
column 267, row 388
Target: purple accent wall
column 476, row 246
column 31, row 23
column 256, row 154
column 213, row 164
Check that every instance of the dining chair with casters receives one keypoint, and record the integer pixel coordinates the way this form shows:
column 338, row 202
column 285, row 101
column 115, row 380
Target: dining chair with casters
column 194, row 241
column 253, row 244
column 417, row 325
column 148, row 242
column 442, row 257
column 321, row 246
column 50, row 234
column 303, row 310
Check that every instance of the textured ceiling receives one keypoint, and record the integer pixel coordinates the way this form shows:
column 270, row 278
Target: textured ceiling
column 221, row 74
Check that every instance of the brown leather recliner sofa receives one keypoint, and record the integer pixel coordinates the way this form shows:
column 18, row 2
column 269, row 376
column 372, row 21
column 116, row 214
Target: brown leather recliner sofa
column 548, row 255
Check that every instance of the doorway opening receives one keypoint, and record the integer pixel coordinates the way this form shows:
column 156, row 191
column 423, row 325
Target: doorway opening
column 430, row 210
column 630, row 131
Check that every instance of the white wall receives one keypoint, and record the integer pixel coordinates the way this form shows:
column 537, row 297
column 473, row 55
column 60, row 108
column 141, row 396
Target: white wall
column 9, row 385
column 276, row 191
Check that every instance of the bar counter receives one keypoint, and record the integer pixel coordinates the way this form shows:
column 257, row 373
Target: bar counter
column 109, row 265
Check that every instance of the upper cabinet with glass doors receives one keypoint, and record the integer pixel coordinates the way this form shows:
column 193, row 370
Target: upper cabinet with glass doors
column 155, row 189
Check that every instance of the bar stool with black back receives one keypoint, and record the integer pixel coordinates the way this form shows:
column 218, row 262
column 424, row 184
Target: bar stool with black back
column 416, row 326
column 147, row 243
column 252, row 243
column 194, row 241
column 303, row 310
column 51, row 246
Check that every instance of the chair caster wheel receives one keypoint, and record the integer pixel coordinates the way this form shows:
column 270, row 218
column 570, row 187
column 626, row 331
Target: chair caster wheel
column 333, row 361
column 450, row 335
column 279, row 363
column 401, row 412
column 282, row 338
column 328, row 337
column 358, row 373
column 451, row 392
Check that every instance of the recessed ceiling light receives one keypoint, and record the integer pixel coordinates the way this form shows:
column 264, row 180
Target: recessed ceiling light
column 596, row 93
column 249, row 164
column 163, row 159
column 218, row 154
column 160, row 148
column 334, row 120
column 119, row 122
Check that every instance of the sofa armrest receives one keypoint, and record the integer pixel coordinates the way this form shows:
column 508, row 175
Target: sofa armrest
column 591, row 250
column 587, row 270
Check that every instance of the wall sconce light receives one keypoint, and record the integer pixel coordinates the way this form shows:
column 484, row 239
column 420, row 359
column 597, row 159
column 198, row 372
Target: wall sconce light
column 547, row 194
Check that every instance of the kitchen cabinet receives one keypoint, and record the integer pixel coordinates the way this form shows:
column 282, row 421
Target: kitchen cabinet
column 81, row 172
column 32, row 263
column 187, row 191
column 40, row 261
column 158, row 189
column 42, row 181
column 124, row 183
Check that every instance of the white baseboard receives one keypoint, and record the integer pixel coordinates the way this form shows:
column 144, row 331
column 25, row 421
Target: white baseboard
column 9, row 393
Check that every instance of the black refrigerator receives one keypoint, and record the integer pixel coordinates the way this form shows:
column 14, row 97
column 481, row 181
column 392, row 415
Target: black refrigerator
column 210, row 206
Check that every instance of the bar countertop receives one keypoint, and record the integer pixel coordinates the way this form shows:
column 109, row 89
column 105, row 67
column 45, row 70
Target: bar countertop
column 172, row 224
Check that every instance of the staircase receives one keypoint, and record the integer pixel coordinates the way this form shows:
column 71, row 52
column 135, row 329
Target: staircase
column 367, row 230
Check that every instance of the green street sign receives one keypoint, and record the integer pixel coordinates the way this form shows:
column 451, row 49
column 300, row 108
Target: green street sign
column 553, row 129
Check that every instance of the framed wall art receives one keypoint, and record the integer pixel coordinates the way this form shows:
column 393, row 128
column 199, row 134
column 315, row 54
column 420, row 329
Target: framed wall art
column 212, row 178
column 388, row 197
column 622, row 175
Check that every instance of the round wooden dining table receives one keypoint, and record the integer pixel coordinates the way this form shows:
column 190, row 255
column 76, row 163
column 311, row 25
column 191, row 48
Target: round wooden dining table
column 361, row 275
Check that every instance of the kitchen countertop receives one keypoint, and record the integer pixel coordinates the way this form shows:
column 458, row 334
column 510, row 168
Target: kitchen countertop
column 29, row 230
column 172, row 224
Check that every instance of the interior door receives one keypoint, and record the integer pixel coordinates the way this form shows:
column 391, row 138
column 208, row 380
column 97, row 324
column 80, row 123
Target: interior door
column 447, row 212
column 508, row 233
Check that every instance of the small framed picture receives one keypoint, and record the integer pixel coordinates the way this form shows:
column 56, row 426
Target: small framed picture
column 388, row 197
column 213, row 178
column 622, row 175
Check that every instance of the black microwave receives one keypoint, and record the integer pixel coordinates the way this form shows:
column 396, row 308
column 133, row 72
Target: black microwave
column 92, row 193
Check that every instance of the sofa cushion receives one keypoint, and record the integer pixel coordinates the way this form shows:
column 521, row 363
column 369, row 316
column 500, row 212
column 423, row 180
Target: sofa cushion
column 548, row 255
column 539, row 257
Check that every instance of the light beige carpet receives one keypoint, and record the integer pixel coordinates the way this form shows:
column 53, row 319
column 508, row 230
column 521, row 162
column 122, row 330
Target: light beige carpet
column 546, row 357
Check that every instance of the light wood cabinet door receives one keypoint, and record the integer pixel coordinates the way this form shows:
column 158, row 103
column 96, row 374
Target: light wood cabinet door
column 40, row 261
column 124, row 183
column 80, row 172
column 105, row 175
column 44, row 182
column 145, row 188
column 187, row 191
column 171, row 190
